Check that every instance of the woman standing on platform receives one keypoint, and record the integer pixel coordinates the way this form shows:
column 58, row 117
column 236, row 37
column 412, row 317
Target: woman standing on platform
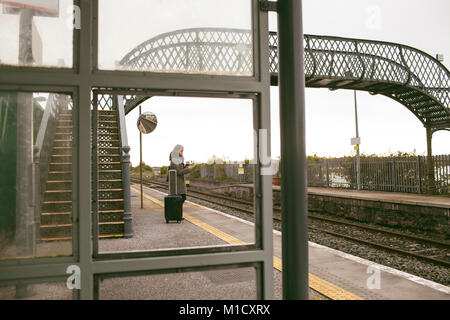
column 177, row 163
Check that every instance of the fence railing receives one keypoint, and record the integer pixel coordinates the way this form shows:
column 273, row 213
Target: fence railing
column 395, row 174
column 392, row 174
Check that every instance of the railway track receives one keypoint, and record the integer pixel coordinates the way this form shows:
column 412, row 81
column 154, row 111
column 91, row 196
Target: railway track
column 425, row 249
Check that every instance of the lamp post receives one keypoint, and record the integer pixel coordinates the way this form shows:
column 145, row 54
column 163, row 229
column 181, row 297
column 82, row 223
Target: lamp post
column 357, row 140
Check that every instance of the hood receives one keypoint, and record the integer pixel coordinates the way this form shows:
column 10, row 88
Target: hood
column 175, row 155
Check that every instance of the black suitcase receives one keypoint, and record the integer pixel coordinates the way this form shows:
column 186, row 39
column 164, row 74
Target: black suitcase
column 173, row 208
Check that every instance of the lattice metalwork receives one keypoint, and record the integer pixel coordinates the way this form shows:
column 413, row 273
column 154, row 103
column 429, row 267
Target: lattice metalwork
column 104, row 102
column 405, row 74
column 201, row 50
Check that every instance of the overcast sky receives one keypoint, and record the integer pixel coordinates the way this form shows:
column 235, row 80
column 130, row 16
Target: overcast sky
column 223, row 127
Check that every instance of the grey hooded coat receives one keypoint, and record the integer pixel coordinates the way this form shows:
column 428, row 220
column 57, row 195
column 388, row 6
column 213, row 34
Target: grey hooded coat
column 177, row 163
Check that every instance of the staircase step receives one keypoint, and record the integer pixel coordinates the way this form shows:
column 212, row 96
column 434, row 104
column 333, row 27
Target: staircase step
column 109, row 155
column 59, row 185
column 59, row 175
column 63, row 130
column 107, row 114
column 56, row 231
column 108, row 145
column 110, row 194
column 107, row 166
column 107, row 134
column 57, row 195
column 56, row 206
column 62, row 150
column 111, row 211
column 61, row 158
column 110, row 204
column 56, row 218
column 107, row 121
column 113, row 183
column 110, row 175
column 63, row 140
column 60, row 166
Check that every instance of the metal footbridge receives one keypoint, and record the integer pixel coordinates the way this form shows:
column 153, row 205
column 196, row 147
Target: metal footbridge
column 412, row 77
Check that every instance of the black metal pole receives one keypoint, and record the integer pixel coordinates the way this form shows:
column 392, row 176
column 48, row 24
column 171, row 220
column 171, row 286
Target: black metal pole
column 293, row 154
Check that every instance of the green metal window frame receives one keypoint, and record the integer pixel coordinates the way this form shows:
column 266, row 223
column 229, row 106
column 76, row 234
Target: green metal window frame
column 78, row 82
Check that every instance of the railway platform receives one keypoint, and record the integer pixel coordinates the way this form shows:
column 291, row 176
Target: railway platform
column 332, row 274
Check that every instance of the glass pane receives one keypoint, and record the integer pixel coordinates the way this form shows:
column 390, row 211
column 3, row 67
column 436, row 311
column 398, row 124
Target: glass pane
column 189, row 36
column 37, row 32
column 218, row 138
column 225, row 284
column 37, row 291
column 35, row 175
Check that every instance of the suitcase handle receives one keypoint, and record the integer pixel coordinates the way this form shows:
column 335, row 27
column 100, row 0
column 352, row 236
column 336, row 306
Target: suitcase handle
column 173, row 182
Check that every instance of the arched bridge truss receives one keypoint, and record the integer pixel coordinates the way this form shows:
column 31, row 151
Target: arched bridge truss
column 405, row 74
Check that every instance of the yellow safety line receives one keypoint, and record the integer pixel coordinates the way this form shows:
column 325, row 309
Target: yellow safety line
column 156, row 201
column 218, row 233
column 323, row 287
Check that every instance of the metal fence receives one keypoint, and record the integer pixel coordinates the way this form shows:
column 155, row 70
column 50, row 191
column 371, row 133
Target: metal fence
column 395, row 174
column 225, row 172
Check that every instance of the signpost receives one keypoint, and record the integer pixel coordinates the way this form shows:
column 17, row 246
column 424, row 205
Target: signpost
column 146, row 123
column 240, row 172
column 356, row 142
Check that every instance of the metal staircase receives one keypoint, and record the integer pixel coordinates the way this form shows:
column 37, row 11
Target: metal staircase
column 56, row 206
column 110, row 184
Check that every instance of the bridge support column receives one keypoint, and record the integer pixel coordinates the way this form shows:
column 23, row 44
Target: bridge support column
column 293, row 153
column 430, row 181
